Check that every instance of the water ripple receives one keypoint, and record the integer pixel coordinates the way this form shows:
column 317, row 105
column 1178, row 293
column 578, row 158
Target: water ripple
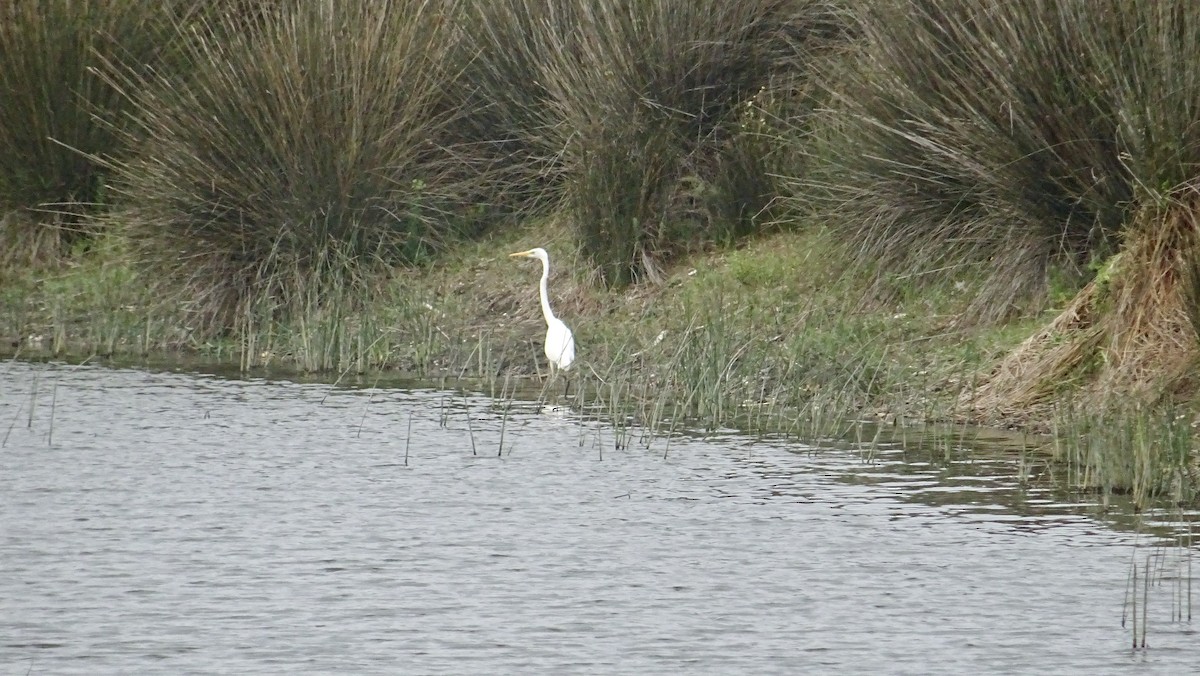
column 173, row 523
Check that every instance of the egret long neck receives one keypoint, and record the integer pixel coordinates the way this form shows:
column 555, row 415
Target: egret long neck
column 546, row 311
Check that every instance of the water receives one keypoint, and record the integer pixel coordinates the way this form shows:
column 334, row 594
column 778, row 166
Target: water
column 173, row 523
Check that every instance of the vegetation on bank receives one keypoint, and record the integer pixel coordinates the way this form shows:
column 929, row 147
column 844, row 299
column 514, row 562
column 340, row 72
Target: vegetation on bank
column 776, row 212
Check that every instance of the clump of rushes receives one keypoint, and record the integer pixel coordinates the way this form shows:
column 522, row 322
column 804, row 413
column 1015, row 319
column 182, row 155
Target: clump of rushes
column 1147, row 452
column 308, row 146
column 1131, row 331
column 650, row 101
column 50, row 107
column 510, row 115
column 973, row 140
column 1001, row 144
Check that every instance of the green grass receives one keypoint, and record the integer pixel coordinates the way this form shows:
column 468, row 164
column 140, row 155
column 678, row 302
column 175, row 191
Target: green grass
column 1147, row 452
column 93, row 304
column 778, row 305
column 771, row 337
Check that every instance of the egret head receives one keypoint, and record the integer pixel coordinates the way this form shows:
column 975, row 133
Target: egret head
column 538, row 253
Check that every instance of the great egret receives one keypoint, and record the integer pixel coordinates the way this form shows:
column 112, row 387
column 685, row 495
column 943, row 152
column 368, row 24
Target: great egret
column 560, row 344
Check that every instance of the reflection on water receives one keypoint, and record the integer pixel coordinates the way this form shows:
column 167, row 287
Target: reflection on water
column 158, row 522
column 997, row 476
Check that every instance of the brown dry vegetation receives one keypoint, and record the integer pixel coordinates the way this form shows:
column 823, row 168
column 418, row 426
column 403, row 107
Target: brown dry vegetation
column 1129, row 336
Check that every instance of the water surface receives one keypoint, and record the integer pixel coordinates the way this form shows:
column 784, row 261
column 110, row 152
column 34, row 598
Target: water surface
column 175, row 523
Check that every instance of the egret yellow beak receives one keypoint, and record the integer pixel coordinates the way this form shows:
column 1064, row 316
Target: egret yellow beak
column 520, row 254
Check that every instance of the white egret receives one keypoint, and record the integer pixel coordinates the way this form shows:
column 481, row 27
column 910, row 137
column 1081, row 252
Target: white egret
column 560, row 344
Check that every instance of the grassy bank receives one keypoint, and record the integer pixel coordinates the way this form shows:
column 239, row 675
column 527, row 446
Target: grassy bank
column 768, row 337
column 774, row 322
column 772, row 336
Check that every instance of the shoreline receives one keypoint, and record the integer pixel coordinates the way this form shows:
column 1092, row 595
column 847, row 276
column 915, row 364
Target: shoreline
column 774, row 313
column 770, row 337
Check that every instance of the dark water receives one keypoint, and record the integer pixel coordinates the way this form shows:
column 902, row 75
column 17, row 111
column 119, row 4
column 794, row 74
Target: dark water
column 167, row 523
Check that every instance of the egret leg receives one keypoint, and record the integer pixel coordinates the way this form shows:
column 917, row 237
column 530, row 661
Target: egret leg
column 548, row 384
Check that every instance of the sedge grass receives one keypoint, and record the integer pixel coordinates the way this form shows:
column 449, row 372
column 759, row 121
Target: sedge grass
column 293, row 153
column 635, row 114
column 57, row 113
column 1001, row 136
column 1148, row 452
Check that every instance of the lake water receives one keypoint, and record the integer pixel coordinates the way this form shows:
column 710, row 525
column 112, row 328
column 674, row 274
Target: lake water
column 173, row 523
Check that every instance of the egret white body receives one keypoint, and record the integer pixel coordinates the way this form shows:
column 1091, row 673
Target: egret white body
column 560, row 344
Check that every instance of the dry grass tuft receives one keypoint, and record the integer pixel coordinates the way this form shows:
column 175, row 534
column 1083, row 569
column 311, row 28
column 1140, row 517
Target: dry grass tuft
column 1129, row 335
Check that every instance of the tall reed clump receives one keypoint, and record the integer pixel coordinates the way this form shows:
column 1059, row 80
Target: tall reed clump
column 51, row 108
column 971, row 140
column 308, row 148
column 510, row 117
column 1130, row 335
column 1001, row 142
column 649, row 99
